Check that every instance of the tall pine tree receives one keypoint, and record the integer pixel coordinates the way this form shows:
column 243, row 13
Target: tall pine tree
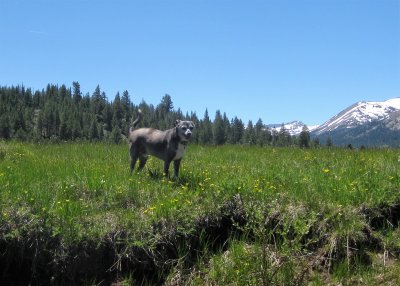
column 218, row 129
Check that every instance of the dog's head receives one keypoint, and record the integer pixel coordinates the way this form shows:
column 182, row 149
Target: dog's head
column 184, row 129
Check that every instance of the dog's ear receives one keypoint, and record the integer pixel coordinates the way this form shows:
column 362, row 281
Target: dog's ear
column 177, row 122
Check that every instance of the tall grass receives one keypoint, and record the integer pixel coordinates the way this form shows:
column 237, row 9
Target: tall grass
column 81, row 190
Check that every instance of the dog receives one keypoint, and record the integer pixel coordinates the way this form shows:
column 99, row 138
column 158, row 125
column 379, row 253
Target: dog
column 169, row 145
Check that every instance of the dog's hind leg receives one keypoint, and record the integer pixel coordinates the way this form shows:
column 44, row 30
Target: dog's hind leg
column 134, row 152
column 142, row 161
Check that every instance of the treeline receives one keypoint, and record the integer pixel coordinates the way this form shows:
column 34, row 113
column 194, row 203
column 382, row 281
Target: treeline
column 59, row 113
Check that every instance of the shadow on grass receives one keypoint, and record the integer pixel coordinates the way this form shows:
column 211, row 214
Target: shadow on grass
column 189, row 180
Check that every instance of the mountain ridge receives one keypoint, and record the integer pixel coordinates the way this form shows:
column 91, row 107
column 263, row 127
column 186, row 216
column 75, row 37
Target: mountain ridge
column 362, row 112
column 369, row 123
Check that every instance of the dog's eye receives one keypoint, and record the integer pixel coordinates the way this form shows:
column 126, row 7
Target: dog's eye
column 184, row 128
column 191, row 128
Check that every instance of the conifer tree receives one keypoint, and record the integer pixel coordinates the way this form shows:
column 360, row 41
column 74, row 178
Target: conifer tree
column 237, row 131
column 249, row 134
column 76, row 93
column 304, row 138
column 127, row 112
column 166, row 104
column 117, row 111
column 258, row 128
column 64, row 132
column 126, row 101
column 108, row 118
column 93, row 131
column 116, row 135
column 218, row 129
column 99, row 101
column 5, row 128
column 76, row 129
column 227, row 128
column 274, row 137
column 18, row 121
column 284, row 138
column 206, row 134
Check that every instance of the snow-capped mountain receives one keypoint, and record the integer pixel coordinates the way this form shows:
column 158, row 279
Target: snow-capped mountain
column 294, row 127
column 364, row 123
column 359, row 114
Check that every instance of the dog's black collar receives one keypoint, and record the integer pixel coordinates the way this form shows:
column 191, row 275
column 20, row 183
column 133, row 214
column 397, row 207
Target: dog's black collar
column 184, row 143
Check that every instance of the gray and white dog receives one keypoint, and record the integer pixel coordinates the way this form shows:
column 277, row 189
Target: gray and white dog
column 169, row 145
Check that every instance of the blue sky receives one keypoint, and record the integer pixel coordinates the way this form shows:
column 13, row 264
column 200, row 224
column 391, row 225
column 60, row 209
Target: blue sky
column 275, row 60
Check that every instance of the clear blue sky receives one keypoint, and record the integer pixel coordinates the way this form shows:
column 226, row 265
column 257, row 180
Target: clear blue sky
column 277, row 60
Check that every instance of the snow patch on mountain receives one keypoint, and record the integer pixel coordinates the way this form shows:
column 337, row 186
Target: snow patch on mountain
column 294, row 127
column 361, row 113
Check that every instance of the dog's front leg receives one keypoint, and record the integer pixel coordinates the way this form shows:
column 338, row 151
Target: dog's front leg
column 177, row 163
column 166, row 168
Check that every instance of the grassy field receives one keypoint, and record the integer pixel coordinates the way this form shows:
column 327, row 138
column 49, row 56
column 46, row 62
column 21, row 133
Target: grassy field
column 71, row 214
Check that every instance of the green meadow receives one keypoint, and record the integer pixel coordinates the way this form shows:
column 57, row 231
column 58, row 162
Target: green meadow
column 237, row 215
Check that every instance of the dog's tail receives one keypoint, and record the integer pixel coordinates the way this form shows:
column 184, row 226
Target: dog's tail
column 137, row 120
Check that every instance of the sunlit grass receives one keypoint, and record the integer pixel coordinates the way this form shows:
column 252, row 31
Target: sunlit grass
column 84, row 190
column 83, row 180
